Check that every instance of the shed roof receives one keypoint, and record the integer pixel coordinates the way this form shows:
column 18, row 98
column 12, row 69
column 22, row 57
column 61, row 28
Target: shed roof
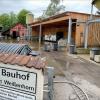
column 22, row 60
column 8, row 29
column 18, row 24
column 60, row 17
column 13, row 48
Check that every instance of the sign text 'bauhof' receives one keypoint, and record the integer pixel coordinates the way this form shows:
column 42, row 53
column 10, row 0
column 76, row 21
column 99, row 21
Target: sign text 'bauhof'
column 17, row 84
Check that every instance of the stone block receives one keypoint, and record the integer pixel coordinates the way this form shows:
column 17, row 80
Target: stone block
column 97, row 58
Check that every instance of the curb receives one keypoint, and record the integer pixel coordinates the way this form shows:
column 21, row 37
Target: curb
column 88, row 60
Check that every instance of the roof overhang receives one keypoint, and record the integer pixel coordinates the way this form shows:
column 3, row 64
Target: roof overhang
column 59, row 18
column 51, row 21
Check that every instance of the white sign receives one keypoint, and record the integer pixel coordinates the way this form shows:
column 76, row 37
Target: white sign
column 50, row 37
column 17, row 84
column 6, row 94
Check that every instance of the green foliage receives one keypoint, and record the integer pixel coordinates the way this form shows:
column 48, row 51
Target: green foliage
column 22, row 16
column 4, row 20
column 55, row 1
column 8, row 20
column 54, row 8
column 13, row 19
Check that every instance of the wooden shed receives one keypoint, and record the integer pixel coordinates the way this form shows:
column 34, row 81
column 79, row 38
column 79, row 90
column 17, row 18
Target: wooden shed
column 64, row 24
column 18, row 30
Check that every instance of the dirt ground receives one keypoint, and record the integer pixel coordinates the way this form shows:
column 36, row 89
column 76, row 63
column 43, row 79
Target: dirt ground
column 71, row 68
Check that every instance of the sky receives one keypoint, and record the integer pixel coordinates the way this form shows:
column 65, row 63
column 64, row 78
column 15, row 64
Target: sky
column 38, row 6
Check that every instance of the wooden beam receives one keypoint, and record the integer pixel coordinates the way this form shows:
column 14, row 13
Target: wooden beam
column 52, row 21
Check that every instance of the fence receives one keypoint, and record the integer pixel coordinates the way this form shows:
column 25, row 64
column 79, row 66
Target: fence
column 94, row 33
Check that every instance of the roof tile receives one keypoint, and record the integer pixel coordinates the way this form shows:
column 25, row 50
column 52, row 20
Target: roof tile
column 11, row 58
column 17, row 60
column 4, row 57
column 40, row 64
column 1, row 54
column 25, row 60
column 32, row 62
column 22, row 60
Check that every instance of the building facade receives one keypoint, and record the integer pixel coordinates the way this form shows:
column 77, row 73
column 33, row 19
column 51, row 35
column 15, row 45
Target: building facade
column 18, row 30
column 68, row 25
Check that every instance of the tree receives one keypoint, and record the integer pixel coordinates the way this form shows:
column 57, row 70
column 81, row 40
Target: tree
column 22, row 16
column 13, row 19
column 55, row 1
column 7, row 20
column 4, row 21
column 53, row 8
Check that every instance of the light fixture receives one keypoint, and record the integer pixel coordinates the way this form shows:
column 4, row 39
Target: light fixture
column 96, row 3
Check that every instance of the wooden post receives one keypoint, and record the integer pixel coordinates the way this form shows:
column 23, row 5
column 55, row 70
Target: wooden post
column 69, row 31
column 30, row 33
column 91, row 16
column 40, row 34
column 86, row 37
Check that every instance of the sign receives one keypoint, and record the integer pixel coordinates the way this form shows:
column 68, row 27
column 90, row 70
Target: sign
column 17, row 84
column 50, row 37
column 6, row 94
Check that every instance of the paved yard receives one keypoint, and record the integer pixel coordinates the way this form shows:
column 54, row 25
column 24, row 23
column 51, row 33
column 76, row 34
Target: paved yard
column 71, row 68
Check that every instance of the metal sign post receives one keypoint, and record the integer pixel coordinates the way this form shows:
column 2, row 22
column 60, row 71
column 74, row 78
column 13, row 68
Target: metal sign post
column 50, row 82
